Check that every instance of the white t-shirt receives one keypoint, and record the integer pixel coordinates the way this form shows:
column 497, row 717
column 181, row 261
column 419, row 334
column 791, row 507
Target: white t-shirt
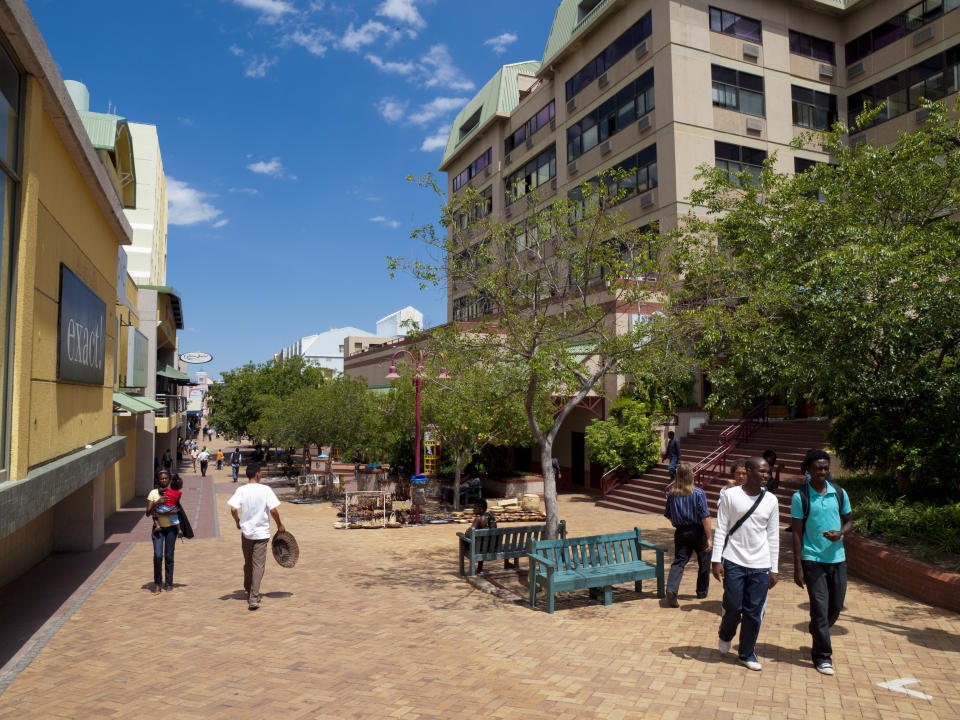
column 254, row 501
column 756, row 544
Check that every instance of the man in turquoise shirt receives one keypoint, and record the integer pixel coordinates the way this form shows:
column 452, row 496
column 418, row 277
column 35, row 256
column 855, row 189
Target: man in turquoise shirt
column 818, row 558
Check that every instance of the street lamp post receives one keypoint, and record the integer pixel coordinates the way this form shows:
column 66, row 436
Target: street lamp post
column 417, row 361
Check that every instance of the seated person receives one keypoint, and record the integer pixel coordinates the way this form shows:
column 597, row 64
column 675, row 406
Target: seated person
column 170, row 499
column 482, row 519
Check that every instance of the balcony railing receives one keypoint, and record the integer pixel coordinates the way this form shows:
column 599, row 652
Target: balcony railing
column 172, row 404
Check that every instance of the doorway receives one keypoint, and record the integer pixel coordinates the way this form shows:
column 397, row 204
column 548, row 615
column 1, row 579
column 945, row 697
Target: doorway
column 577, row 453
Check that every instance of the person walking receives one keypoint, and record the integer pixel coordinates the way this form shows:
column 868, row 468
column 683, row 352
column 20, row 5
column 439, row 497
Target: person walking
column 193, row 456
column 687, row 511
column 235, row 458
column 672, row 453
column 220, row 459
column 167, row 460
column 204, row 458
column 746, row 550
column 163, row 535
column 821, row 515
column 252, row 505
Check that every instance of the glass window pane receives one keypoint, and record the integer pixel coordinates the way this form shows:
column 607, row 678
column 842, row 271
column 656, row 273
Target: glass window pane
column 751, row 103
column 751, row 82
column 589, row 138
column 715, row 20
column 748, row 29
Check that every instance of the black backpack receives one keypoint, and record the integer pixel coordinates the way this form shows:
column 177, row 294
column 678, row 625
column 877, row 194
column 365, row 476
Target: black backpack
column 805, row 500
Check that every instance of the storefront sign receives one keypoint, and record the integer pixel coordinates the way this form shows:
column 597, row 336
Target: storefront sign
column 82, row 331
column 196, row 358
column 137, row 350
column 122, row 275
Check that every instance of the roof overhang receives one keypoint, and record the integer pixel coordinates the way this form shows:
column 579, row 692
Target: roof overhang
column 176, row 305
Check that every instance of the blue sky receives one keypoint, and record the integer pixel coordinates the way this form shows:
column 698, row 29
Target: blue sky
column 287, row 128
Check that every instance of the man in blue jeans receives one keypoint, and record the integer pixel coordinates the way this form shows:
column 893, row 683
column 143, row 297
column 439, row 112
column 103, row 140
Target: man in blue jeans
column 672, row 453
column 746, row 550
column 819, row 561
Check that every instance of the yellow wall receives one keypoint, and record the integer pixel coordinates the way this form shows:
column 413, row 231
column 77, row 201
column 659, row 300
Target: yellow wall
column 60, row 222
column 121, row 478
column 24, row 548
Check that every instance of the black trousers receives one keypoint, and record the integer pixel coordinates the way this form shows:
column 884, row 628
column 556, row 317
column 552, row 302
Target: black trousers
column 826, row 587
column 689, row 540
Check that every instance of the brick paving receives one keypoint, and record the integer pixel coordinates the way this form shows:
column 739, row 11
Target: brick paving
column 378, row 624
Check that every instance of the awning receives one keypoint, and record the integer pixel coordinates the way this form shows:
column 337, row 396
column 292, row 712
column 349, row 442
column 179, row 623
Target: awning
column 129, row 403
column 149, row 402
column 175, row 305
column 173, row 374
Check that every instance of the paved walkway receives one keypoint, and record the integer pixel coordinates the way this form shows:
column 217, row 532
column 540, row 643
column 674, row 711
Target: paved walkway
column 378, row 624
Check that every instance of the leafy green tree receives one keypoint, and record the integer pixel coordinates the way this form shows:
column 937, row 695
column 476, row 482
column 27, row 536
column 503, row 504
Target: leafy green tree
column 840, row 284
column 545, row 286
column 627, row 439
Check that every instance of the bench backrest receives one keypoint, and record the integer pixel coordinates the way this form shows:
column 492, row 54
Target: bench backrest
column 585, row 552
column 510, row 538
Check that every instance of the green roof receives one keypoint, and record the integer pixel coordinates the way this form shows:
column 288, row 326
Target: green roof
column 500, row 96
column 130, row 403
column 168, row 371
column 102, row 129
column 565, row 26
column 149, row 402
column 175, row 303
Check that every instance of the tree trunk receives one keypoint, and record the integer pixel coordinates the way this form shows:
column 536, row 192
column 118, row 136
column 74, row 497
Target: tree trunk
column 904, row 483
column 456, row 481
column 549, row 487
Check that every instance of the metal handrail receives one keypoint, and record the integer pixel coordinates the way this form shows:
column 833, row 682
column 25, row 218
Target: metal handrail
column 611, row 480
column 172, row 404
column 714, row 465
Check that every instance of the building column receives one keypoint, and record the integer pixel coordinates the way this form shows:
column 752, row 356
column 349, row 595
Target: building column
column 78, row 518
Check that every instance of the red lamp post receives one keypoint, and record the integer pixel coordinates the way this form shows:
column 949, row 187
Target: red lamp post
column 417, row 360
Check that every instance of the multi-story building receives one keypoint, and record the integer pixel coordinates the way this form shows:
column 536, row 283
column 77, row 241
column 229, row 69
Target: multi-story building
column 661, row 87
column 147, row 255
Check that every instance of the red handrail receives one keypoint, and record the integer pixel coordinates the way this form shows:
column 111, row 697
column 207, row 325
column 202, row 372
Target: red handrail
column 714, row 465
column 611, row 480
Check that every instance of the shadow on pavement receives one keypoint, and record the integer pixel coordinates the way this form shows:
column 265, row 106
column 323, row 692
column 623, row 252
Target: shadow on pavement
column 242, row 595
column 934, row 638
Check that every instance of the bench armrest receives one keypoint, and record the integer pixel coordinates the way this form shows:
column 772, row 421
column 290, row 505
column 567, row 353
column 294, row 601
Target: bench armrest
column 658, row 548
column 465, row 538
column 541, row 559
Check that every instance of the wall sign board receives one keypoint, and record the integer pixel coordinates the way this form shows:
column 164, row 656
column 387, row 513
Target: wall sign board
column 82, row 339
column 137, row 348
column 196, row 358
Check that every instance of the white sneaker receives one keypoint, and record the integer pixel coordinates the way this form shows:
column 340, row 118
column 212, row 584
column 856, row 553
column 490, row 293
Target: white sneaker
column 825, row 668
column 724, row 646
column 751, row 664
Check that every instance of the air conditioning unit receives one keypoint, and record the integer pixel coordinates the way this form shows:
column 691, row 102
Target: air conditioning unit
column 506, row 159
column 553, row 183
column 605, row 147
column 572, row 168
column 754, row 124
column 571, row 104
column 529, row 143
column 855, row 70
column 553, row 123
column 644, row 123
column 751, row 51
column 826, row 70
column 646, row 200
column 602, row 81
column 921, row 37
column 509, row 211
column 641, row 50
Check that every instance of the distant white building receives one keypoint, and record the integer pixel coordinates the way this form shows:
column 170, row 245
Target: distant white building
column 325, row 349
column 400, row 323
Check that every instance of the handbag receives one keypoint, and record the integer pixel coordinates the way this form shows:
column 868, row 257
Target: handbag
column 186, row 529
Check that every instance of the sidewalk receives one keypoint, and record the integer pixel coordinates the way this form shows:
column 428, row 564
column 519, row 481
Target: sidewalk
column 377, row 623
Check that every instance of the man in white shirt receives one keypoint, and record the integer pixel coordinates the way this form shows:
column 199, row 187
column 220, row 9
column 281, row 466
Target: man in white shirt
column 251, row 506
column 745, row 558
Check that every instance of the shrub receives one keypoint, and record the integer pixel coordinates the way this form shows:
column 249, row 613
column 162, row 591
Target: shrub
column 628, row 438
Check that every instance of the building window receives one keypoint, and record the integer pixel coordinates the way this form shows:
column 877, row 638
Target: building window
column 617, row 113
column 801, row 165
column 897, row 27
column 932, row 79
column 813, row 109
column 737, row 158
column 470, row 307
column 728, row 23
column 813, row 47
column 534, row 174
column 484, row 205
column 10, row 139
column 470, row 124
column 585, row 8
column 610, row 55
column 641, row 175
column 530, row 127
column 737, row 90
column 473, row 169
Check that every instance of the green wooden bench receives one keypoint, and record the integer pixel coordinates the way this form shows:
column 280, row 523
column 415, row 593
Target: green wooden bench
column 500, row 543
column 601, row 561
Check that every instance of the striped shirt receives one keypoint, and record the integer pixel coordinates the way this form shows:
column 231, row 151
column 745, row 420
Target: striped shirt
column 687, row 509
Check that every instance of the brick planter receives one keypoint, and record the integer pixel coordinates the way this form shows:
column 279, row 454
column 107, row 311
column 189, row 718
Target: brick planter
column 876, row 563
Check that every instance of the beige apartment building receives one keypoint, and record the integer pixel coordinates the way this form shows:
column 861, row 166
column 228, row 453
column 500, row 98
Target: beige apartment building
column 661, row 87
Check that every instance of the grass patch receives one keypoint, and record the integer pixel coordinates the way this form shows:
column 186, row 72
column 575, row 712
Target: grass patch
column 928, row 528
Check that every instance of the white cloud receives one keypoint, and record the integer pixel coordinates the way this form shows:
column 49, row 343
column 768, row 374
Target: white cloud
column 435, row 108
column 273, row 168
column 499, row 43
column 258, row 66
column 391, row 110
column 221, row 223
column 437, row 141
column 355, row 38
column 402, row 11
column 187, row 205
column 275, row 8
column 401, row 68
column 315, row 41
column 185, row 121
column 380, row 219
column 238, row 51
column 441, row 72
column 245, row 190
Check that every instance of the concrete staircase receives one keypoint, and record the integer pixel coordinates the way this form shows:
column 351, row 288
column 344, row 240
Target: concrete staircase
column 789, row 439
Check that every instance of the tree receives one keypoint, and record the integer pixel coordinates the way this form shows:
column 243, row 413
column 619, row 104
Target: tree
column 547, row 287
column 840, row 284
column 627, row 439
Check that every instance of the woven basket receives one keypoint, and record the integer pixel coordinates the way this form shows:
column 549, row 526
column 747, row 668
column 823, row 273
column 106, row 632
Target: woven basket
column 285, row 549
column 530, row 503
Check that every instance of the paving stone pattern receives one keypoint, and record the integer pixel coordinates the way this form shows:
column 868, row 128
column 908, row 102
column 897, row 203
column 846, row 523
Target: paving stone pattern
column 377, row 623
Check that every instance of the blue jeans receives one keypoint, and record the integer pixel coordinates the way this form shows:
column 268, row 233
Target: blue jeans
column 672, row 469
column 164, row 541
column 236, row 472
column 744, row 596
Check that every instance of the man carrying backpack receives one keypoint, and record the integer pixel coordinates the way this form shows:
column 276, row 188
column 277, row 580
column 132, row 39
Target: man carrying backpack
column 235, row 463
column 821, row 517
